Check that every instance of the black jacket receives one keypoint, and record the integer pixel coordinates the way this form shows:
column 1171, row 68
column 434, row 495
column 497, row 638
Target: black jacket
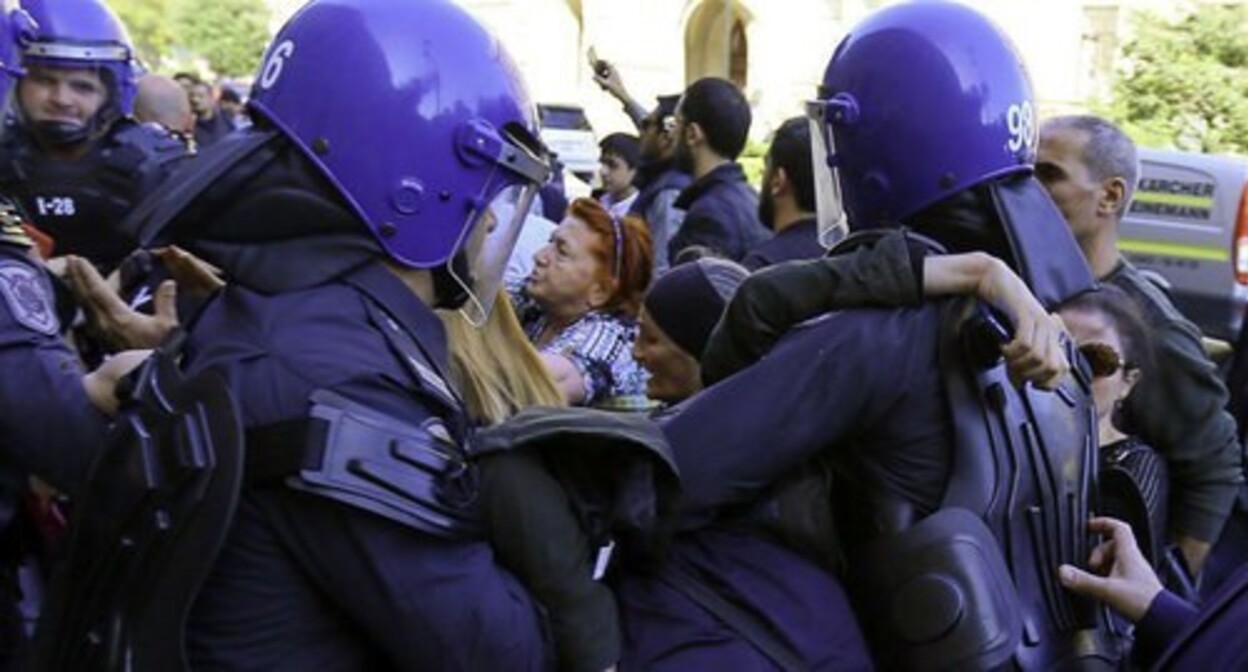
column 798, row 241
column 721, row 213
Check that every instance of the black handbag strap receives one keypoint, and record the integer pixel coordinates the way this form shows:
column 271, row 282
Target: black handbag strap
column 745, row 624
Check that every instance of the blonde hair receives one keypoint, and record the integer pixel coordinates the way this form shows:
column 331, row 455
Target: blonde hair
column 498, row 370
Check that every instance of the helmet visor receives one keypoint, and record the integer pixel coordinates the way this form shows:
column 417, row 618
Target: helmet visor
column 833, row 225
column 95, row 84
column 67, row 54
column 490, row 241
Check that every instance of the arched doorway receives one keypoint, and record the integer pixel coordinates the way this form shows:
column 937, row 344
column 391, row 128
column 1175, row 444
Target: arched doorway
column 738, row 55
column 717, row 42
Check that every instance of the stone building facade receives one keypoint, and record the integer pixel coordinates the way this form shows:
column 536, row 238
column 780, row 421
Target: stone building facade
column 775, row 49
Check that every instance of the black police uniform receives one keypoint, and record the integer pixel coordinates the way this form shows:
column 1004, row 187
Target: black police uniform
column 328, row 584
column 957, row 493
column 351, row 546
column 47, row 424
column 80, row 203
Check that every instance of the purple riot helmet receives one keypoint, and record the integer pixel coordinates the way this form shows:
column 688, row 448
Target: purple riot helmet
column 926, row 101
column 83, row 34
column 421, row 121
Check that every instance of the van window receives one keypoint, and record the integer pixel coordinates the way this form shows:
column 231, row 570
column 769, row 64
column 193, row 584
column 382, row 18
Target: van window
column 567, row 118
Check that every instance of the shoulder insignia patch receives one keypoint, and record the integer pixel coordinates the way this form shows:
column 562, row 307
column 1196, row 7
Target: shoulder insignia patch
column 11, row 230
column 28, row 298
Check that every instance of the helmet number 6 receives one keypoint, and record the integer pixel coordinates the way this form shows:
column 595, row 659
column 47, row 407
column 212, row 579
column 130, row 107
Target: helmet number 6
column 273, row 66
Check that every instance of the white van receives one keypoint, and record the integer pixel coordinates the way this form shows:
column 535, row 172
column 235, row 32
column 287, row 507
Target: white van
column 1188, row 226
column 566, row 131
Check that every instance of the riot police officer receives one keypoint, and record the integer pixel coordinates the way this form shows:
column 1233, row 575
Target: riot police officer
column 42, row 375
column 75, row 159
column 957, row 493
column 49, row 421
column 354, row 544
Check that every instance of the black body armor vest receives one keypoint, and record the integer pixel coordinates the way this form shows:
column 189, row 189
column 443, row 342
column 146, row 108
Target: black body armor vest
column 80, row 203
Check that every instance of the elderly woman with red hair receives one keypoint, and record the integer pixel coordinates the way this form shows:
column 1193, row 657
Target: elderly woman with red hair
column 579, row 306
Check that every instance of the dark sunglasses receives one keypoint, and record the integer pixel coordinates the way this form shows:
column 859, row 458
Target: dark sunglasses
column 665, row 124
column 1103, row 359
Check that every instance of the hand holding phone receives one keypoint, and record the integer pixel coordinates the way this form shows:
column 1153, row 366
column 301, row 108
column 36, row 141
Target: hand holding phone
column 599, row 66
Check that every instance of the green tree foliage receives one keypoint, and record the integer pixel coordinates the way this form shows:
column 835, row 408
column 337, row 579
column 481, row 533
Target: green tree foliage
column 147, row 22
column 1184, row 84
column 230, row 34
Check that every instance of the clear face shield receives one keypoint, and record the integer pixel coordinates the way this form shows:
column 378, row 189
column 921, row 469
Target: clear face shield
column 97, row 59
column 487, row 243
column 833, row 224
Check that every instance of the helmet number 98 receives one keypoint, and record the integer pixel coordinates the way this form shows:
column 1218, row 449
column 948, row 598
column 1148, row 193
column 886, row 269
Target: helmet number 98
column 273, row 65
column 1022, row 126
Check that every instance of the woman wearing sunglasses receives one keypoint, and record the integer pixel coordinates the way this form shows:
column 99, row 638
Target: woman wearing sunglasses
column 1117, row 349
column 579, row 305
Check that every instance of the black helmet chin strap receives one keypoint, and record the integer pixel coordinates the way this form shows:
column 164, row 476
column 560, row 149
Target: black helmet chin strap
column 62, row 134
column 448, row 291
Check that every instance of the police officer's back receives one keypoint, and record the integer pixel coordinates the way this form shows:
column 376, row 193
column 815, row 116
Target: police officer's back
column 956, row 490
column 339, row 238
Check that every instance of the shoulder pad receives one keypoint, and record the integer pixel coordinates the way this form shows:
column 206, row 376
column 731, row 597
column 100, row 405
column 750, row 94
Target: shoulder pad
column 136, row 158
column 152, row 143
column 418, row 480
